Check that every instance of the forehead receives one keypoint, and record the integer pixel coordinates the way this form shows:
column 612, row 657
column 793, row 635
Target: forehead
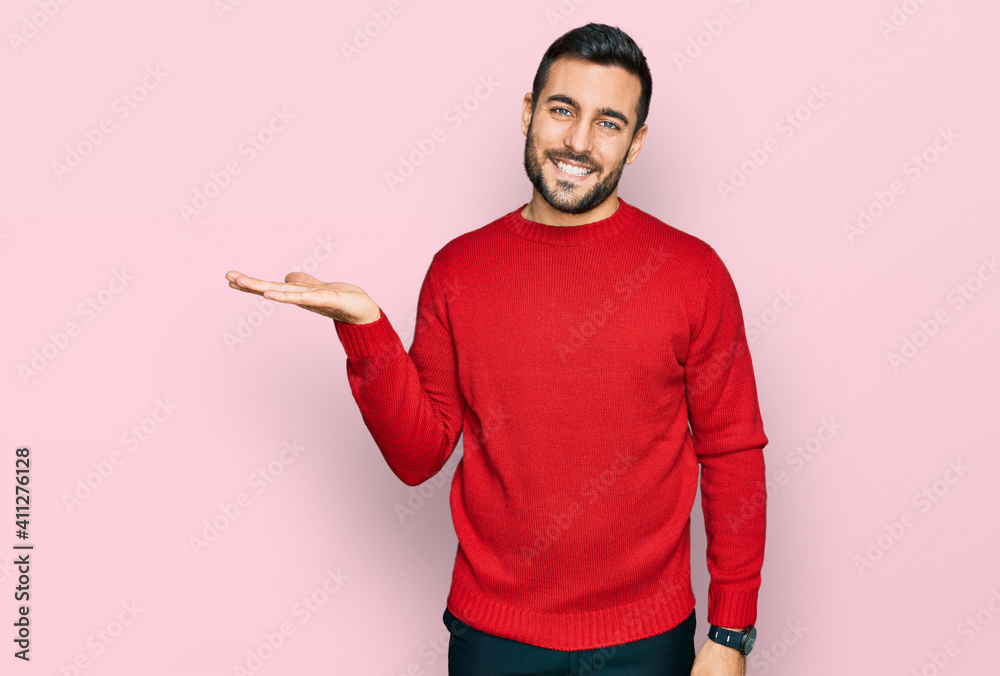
column 593, row 85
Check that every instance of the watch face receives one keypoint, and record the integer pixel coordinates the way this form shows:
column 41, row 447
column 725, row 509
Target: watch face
column 751, row 639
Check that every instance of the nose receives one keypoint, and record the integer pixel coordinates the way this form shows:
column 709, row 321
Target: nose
column 579, row 137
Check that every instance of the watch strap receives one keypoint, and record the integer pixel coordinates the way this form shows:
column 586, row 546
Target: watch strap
column 731, row 639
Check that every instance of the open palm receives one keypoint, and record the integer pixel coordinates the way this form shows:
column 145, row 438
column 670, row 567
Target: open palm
column 338, row 300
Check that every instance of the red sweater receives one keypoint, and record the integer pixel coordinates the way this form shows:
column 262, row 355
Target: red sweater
column 573, row 360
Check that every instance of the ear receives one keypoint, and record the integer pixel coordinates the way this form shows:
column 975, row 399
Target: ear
column 526, row 114
column 636, row 146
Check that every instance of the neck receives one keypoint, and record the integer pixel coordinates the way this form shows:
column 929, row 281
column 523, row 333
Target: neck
column 540, row 211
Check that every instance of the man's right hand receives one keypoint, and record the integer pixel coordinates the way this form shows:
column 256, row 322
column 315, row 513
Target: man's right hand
column 338, row 300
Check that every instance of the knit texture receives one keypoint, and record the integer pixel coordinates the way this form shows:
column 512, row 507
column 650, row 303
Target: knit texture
column 573, row 360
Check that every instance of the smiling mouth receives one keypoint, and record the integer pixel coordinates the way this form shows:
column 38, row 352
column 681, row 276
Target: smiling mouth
column 571, row 169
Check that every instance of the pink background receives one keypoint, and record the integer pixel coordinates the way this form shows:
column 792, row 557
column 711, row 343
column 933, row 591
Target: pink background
column 155, row 350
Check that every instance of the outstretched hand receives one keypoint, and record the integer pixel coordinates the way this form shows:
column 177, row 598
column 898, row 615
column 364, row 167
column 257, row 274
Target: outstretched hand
column 338, row 300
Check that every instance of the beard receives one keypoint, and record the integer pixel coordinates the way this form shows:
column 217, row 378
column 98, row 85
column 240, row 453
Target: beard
column 568, row 196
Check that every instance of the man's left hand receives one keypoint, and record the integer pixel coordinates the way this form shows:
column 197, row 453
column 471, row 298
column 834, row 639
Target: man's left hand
column 715, row 659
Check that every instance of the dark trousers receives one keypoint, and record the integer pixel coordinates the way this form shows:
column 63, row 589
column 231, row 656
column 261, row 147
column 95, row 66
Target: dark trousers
column 475, row 653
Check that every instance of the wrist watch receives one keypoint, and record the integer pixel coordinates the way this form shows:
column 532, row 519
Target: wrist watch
column 740, row 640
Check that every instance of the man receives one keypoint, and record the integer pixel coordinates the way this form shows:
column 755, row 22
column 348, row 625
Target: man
column 573, row 341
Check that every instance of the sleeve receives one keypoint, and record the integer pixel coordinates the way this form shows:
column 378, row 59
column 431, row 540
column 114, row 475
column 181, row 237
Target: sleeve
column 410, row 402
column 729, row 440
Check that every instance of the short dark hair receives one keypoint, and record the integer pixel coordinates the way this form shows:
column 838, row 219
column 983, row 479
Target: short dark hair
column 606, row 46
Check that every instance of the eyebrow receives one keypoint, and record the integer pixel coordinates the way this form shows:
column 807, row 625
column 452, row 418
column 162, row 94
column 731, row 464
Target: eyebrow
column 608, row 112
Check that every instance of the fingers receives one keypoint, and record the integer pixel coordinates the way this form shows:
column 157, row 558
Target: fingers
column 312, row 299
column 246, row 282
column 297, row 291
column 232, row 276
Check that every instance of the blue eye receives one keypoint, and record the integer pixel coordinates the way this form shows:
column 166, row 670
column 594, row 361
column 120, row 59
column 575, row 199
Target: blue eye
column 566, row 110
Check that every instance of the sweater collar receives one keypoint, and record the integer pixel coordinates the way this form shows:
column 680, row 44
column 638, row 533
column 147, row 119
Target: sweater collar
column 570, row 234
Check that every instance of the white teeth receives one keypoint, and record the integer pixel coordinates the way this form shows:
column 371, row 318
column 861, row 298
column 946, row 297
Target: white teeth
column 570, row 169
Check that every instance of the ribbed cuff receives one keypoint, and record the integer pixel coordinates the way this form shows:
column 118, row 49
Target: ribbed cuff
column 732, row 609
column 364, row 341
